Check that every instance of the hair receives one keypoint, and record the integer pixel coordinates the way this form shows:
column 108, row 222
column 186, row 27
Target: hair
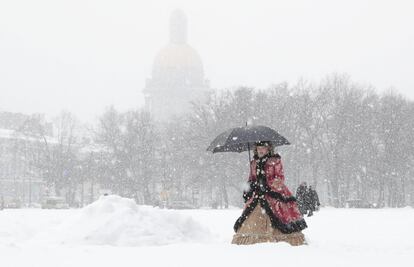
column 269, row 146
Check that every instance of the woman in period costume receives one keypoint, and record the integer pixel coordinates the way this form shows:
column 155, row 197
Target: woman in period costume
column 271, row 213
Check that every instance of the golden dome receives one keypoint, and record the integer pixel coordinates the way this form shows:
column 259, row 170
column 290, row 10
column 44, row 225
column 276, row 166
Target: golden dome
column 177, row 74
column 177, row 64
column 177, row 57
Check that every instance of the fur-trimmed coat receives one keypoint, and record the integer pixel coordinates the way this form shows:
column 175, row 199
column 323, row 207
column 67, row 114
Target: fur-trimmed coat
column 273, row 196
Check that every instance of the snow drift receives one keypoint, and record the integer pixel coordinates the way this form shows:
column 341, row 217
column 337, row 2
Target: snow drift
column 117, row 221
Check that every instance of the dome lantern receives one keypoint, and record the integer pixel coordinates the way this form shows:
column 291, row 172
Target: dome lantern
column 178, row 27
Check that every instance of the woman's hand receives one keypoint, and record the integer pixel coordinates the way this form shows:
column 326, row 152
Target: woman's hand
column 277, row 183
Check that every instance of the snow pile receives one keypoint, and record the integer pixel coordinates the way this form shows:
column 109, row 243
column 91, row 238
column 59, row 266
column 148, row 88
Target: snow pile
column 113, row 220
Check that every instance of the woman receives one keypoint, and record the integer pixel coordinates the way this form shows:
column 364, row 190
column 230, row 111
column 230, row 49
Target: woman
column 270, row 213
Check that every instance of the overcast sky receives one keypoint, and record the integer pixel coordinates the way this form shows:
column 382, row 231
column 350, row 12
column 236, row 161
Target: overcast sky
column 83, row 55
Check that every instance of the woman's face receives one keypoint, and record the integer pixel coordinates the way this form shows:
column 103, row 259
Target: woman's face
column 262, row 150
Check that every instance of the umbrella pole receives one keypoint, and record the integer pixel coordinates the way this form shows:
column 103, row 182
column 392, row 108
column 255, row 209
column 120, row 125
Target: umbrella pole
column 248, row 147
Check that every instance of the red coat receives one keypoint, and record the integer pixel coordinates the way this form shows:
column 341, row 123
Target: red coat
column 278, row 201
column 273, row 170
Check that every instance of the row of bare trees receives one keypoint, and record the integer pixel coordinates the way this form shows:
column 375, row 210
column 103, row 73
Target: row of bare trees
column 348, row 142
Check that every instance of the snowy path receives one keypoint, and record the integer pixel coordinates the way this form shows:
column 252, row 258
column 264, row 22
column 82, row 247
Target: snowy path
column 337, row 237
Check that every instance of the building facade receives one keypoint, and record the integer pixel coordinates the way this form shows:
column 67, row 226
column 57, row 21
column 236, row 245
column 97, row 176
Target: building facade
column 21, row 182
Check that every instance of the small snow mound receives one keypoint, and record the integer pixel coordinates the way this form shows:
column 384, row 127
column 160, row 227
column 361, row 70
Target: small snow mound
column 113, row 220
column 109, row 204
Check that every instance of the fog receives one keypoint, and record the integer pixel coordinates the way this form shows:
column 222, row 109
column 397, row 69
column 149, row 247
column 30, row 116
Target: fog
column 83, row 56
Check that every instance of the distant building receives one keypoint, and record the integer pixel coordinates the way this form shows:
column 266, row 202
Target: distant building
column 20, row 181
column 177, row 74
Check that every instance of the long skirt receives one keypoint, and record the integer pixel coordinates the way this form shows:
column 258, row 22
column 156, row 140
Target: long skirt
column 257, row 228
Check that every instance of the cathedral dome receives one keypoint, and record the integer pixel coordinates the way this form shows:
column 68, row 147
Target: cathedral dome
column 177, row 78
column 178, row 62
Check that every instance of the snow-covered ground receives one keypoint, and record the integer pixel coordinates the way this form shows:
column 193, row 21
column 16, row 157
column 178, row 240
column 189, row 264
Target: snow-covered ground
column 114, row 231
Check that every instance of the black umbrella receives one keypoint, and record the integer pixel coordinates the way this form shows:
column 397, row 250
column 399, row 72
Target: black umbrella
column 241, row 139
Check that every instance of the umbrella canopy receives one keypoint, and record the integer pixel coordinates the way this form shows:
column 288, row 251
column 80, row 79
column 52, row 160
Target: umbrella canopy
column 243, row 138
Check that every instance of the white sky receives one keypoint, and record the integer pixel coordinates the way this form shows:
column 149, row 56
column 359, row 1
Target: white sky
column 83, row 55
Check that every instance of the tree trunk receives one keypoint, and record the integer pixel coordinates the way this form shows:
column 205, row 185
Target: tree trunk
column 224, row 194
